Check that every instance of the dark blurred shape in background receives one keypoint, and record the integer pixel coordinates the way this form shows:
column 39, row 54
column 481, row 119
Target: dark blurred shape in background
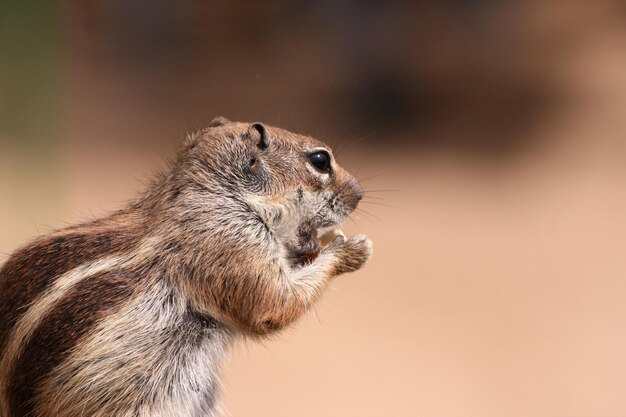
column 473, row 75
column 489, row 136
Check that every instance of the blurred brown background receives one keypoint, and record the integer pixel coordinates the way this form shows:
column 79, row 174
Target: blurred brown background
column 489, row 134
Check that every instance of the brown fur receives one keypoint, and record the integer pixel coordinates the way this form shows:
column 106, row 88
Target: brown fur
column 224, row 242
column 32, row 269
column 70, row 319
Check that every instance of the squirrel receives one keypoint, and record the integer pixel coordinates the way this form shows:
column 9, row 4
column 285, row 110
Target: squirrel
column 132, row 314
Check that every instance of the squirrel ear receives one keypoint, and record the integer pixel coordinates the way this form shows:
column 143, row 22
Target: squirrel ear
column 218, row 121
column 264, row 140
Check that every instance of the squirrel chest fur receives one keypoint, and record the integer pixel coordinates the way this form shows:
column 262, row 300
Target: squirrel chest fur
column 130, row 315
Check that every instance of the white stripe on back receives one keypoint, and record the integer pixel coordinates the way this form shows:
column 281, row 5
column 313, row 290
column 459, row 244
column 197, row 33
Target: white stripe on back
column 38, row 310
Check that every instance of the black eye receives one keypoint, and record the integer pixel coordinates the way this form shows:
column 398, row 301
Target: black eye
column 320, row 160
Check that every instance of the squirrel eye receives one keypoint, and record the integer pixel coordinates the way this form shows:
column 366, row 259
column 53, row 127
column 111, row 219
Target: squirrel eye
column 320, row 160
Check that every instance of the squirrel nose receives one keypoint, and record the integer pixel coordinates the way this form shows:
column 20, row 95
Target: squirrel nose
column 354, row 194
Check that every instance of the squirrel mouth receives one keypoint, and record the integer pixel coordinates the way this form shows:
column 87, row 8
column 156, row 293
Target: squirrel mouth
column 325, row 235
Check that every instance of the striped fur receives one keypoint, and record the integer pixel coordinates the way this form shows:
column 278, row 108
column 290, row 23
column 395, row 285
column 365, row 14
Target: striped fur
column 153, row 346
column 131, row 315
column 22, row 348
column 49, row 256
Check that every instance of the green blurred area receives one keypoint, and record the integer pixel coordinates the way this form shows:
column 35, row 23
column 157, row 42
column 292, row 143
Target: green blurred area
column 32, row 105
column 31, row 72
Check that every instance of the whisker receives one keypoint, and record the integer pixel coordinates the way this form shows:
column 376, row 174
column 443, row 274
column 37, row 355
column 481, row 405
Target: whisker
column 367, row 212
column 361, row 138
column 371, row 177
column 353, row 142
column 318, row 111
column 381, row 204
column 380, row 191
column 317, row 316
column 351, row 122
column 358, row 170
column 355, row 223
column 364, row 196
column 363, row 214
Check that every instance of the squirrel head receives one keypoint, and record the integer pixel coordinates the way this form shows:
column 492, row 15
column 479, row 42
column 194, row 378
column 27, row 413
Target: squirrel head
column 291, row 182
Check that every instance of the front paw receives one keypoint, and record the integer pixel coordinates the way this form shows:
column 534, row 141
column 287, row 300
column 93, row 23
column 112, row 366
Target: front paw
column 351, row 253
